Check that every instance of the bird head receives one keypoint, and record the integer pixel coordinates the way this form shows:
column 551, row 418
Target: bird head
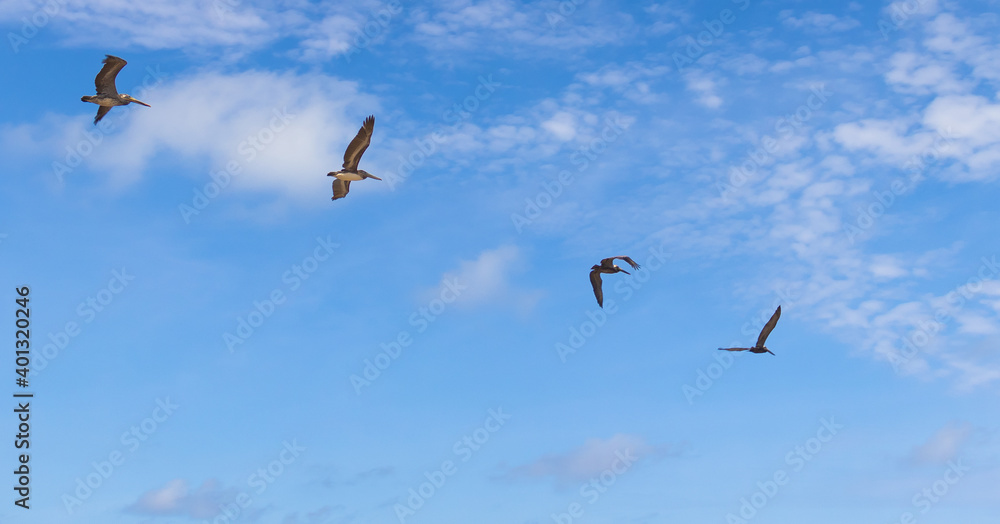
column 130, row 99
column 366, row 174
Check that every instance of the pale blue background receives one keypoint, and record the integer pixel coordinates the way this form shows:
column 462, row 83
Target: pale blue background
column 650, row 154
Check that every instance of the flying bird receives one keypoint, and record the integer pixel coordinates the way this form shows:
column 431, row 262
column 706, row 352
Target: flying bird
column 759, row 348
column 607, row 266
column 107, row 95
column 357, row 147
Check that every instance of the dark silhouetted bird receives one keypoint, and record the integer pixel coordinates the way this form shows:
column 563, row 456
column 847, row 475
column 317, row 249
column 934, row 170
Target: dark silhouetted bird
column 607, row 266
column 759, row 348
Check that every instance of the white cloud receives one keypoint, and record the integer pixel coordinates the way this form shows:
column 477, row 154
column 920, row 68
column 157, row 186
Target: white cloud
column 818, row 21
column 972, row 119
column 704, row 87
column 887, row 267
column 334, row 35
column 159, row 24
column 918, row 74
column 944, row 445
column 951, row 35
column 589, row 460
column 283, row 132
column 505, row 26
column 177, row 499
column 891, row 140
column 488, row 278
column 908, row 8
column 562, row 125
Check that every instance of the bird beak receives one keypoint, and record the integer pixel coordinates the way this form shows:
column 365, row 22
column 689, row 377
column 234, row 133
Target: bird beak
column 626, row 272
column 769, row 351
column 141, row 102
column 330, row 173
column 375, row 177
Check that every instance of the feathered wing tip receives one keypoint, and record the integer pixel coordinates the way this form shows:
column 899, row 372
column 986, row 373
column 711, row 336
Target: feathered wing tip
column 595, row 282
column 358, row 146
column 773, row 321
column 733, row 349
column 609, row 262
column 105, row 79
column 340, row 188
column 101, row 111
column 630, row 262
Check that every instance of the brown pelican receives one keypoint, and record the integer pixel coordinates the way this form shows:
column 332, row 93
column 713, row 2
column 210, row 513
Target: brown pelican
column 759, row 348
column 107, row 95
column 352, row 156
column 607, row 266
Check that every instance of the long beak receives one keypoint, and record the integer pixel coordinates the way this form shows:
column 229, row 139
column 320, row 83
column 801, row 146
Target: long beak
column 623, row 271
column 375, row 177
column 141, row 102
column 771, row 352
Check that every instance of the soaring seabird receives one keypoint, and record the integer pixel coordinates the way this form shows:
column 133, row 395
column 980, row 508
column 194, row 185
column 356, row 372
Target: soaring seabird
column 352, row 156
column 759, row 348
column 107, row 95
column 607, row 266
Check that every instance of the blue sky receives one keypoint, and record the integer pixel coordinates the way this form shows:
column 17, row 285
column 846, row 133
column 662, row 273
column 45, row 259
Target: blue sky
column 215, row 340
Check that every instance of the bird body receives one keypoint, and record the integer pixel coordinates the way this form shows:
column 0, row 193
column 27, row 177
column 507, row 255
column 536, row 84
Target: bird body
column 608, row 266
column 106, row 100
column 107, row 94
column 759, row 347
column 352, row 156
column 349, row 176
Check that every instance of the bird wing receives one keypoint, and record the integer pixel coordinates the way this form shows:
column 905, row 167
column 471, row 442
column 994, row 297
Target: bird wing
column 340, row 188
column 105, row 80
column 734, row 349
column 610, row 262
column 358, row 146
column 101, row 111
column 595, row 281
column 630, row 262
column 768, row 327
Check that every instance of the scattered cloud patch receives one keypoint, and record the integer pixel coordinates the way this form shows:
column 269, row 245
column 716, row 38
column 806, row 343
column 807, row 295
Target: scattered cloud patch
column 589, row 460
column 176, row 498
column 944, row 445
column 813, row 21
column 488, row 278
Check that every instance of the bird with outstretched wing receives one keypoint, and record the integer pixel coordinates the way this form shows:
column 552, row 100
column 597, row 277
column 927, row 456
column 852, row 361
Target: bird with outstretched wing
column 352, row 157
column 760, row 348
column 107, row 94
column 607, row 265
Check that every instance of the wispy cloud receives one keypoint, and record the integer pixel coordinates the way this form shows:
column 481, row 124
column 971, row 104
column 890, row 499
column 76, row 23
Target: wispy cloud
column 490, row 278
column 505, row 26
column 159, row 24
column 704, row 87
column 276, row 133
column 176, row 498
column 944, row 445
column 588, row 460
column 813, row 21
